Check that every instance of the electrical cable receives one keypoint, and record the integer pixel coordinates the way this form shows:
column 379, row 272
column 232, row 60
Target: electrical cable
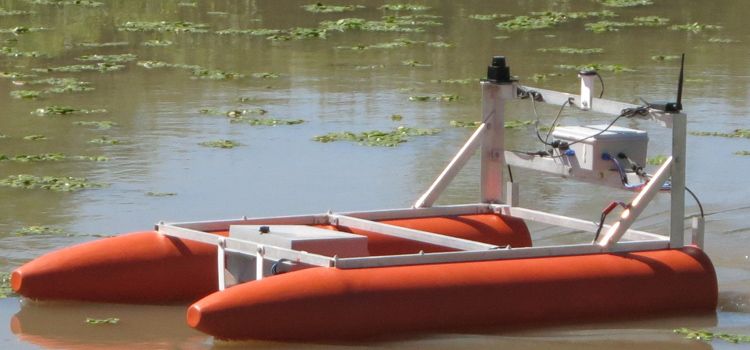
column 601, row 80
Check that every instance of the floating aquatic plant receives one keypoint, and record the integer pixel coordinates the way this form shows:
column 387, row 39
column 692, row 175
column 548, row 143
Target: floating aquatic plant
column 265, row 75
column 64, row 110
column 106, row 140
column 544, row 76
column 39, row 230
column 266, row 121
column 21, row 30
column 440, row 98
column 157, row 43
column 616, row 68
column 626, row 3
column 25, row 94
column 164, row 26
column 52, row 183
column 651, row 21
column 160, row 194
column 102, row 67
column 234, row 113
column 694, row 27
column 121, row 58
column 14, row 52
column 700, row 334
column 665, row 58
column 607, row 26
column 107, row 44
column 255, row 32
column 102, row 321
column 723, row 40
column 376, row 137
column 657, row 159
column 455, row 81
column 187, row 4
column 197, row 71
column 488, row 17
column 396, row 117
column 16, row 75
column 99, row 124
column 85, row 3
column 742, row 153
column 509, row 124
column 217, row 13
column 439, row 44
column 221, row 144
column 35, row 137
column 4, row 12
column 415, row 63
column 572, row 50
column 737, row 133
column 403, row 7
column 6, row 291
column 548, row 19
column 321, row 8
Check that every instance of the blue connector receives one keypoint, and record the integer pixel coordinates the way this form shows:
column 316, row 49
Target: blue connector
column 570, row 152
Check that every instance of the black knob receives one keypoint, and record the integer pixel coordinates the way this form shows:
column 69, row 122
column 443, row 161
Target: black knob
column 498, row 71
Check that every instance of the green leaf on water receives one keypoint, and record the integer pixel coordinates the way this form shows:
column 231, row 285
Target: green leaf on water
column 439, row 98
column 99, row 124
column 651, row 21
column 376, row 137
column 107, row 44
column 39, row 230
column 102, row 321
column 160, row 194
column 403, row 7
column 226, row 144
column 396, row 117
column 665, row 58
column 572, row 50
column 102, row 67
column 694, row 27
column 6, row 291
column 723, row 40
column 120, row 58
column 52, row 183
column 616, row 68
column 544, row 76
column 704, row 335
column 25, row 94
column 106, row 140
column 265, row 75
column 34, row 137
column 742, row 153
column 321, row 8
column 737, row 133
column 626, row 3
column 157, row 43
column 657, row 159
column 64, row 110
column 488, row 17
column 164, row 26
column 607, row 26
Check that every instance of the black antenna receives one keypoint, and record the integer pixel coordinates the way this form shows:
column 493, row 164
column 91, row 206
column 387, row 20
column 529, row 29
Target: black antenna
column 677, row 106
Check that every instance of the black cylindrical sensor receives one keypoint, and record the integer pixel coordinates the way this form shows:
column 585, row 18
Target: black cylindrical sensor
column 498, row 71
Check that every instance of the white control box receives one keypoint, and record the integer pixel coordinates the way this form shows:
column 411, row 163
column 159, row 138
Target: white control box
column 589, row 149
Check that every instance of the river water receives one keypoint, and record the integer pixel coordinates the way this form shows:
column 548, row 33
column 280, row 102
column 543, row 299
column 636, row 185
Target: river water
column 158, row 170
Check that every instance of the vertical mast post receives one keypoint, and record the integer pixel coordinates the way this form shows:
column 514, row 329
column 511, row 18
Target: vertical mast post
column 496, row 89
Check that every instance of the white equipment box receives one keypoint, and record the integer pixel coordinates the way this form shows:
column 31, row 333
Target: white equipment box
column 590, row 149
column 304, row 238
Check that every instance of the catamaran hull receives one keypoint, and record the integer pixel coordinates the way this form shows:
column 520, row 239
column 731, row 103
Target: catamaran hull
column 336, row 304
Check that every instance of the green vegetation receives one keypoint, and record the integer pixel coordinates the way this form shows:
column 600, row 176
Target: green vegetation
column 265, row 75
column 657, row 159
column 106, row 140
column 16, row 75
column 549, row 19
column 572, row 50
column 157, row 43
column 25, row 94
column 265, row 121
column 14, row 52
column 4, row 12
column 665, row 58
column 616, row 68
column 160, row 194
column 226, row 144
column 651, row 21
column 397, row 43
column 197, row 71
column 102, row 321
column 164, row 26
column 742, row 153
column 415, row 63
column 21, row 30
column 5, row 289
column 456, row 81
column 108, row 44
column 102, row 67
column 234, row 113
column 64, row 110
column 46, row 157
column 52, row 183
column 723, row 40
column 321, row 8
column 489, row 17
column 700, row 334
column 35, row 137
column 397, row 117
column 737, row 133
column 377, row 138
column 403, row 7
column 694, row 27
column 626, row 3
column 255, row 32
column 544, row 76
column 510, row 124
column 121, row 58
column 607, row 26
column 439, row 98
column 39, row 230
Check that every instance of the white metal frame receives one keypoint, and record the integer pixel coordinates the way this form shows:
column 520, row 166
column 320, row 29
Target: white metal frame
column 488, row 138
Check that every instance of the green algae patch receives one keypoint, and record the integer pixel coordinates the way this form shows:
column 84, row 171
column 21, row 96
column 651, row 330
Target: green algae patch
column 252, row 32
column 102, row 321
column 651, row 21
column 694, row 27
column 121, row 58
column 537, row 77
column 415, row 63
column 8, row 51
column 106, row 140
column 607, row 26
column 51, row 183
column 397, row 117
column 225, row 144
column 510, row 124
column 438, row 98
column 233, row 113
column 322, row 8
column 5, row 13
column 404, row 7
column 626, row 3
column 197, row 72
column 723, row 40
column 657, row 159
column 16, row 75
column 102, row 67
column 157, row 43
column 105, row 44
column 376, row 137
column 265, row 121
column 572, row 50
column 737, row 133
column 34, row 137
column 61, row 85
column 164, row 26
column 265, row 75
column 25, row 94
column 615, row 68
column 160, row 194
column 6, row 291
column 64, row 110
column 548, row 19
column 21, row 30
column 40, row 230
column 704, row 335
column 665, row 57
column 488, row 17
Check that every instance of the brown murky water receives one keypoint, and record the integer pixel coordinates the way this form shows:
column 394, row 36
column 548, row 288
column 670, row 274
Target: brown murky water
column 280, row 170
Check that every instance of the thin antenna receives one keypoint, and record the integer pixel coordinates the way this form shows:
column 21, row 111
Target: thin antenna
column 677, row 106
